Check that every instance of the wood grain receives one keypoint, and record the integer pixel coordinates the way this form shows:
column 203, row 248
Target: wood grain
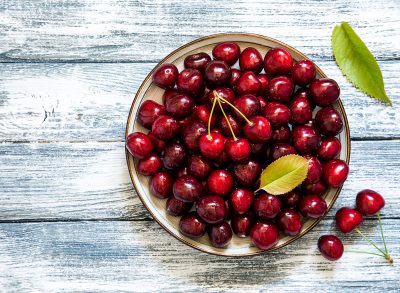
column 146, row 30
column 80, row 102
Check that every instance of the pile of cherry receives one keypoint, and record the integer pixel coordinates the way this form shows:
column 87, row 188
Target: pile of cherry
column 220, row 126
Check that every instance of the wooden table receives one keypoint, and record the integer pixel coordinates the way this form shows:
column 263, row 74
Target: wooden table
column 69, row 217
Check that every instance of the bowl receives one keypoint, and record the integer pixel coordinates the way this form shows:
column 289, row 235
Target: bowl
column 149, row 91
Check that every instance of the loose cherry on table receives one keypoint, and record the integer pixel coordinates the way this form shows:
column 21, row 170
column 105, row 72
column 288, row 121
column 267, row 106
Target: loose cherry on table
column 369, row 202
column 331, row 247
column 348, row 219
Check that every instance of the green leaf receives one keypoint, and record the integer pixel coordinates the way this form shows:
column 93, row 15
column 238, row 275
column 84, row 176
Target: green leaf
column 284, row 174
column 357, row 63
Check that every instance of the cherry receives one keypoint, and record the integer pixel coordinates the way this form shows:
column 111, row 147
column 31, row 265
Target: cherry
column 317, row 188
column 187, row 188
column 348, row 219
column 281, row 149
column 281, row 134
column 227, row 51
column 324, row 91
column 289, row 222
column 259, row 131
column 217, row 73
column 313, row 206
column 149, row 165
column 211, row 145
column 263, row 102
column 369, row 202
column 139, row 145
column 277, row 61
column 264, row 80
column 161, row 184
column 211, row 208
column 277, row 114
column 331, row 247
column 168, row 93
column 335, row 172
column 241, row 200
column 202, row 114
column 248, row 105
column 148, row 112
column 192, row 226
column 197, row 61
column 301, row 110
column 191, row 135
column 176, row 207
column 241, row 225
column 236, row 73
column 304, row 93
column 238, row 149
column 180, row 106
column 247, row 173
column 248, row 83
column 314, row 170
column 264, row 235
column 303, row 72
column 280, row 89
column 306, row 139
column 251, row 60
column 174, row 156
column 158, row 144
column 166, row 75
column 220, row 182
column 329, row 148
column 226, row 93
column 267, row 206
column 329, row 121
column 220, row 234
column 190, row 81
column 199, row 166
column 165, row 128
column 224, row 125
column 291, row 199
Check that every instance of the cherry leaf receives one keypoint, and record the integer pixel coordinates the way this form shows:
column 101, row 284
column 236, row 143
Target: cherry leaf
column 284, row 174
column 357, row 63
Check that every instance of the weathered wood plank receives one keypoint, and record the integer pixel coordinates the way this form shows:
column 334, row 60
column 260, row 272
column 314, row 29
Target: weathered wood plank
column 79, row 102
column 70, row 181
column 148, row 30
column 140, row 256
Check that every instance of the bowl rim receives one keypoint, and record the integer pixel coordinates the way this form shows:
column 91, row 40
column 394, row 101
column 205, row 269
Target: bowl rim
column 221, row 253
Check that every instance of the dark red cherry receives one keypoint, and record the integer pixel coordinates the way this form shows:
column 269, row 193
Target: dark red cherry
column 314, row 169
column 317, row 188
column 301, row 110
column 161, row 184
column 220, row 234
column 165, row 128
column 149, row 165
column 329, row 121
column 220, row 182
column 236, row 73
column 264, row 235
column 176, row 207
column 267, row 206
column 149, row 111
column 313, row 206
column 303, row 72
column 247, row 173
column 347, row 219
column 227, row 51
column 238, row 149
column 277, row 61
column 248, row 83
column 224, row 125
column 324, row 91
column 166, row 75
column 251, row 60
column 174, row 156
column 280, row 89
column 369, row 202
column 168, row 93
column 289, row 222
column 190, row 81
column 199, row 166
column 187, row 188
column 281, row 149
column 192, row 226
column 224, row 92
column 335, row 172
column 306, row 139
column 180, row 106
column 264, row 80
column 277, row 114
column 211, row 208
column 197, row 61
column 139, row 145
column 202, row 114
column 281, row 134
column 211, row 145
column 259, row 131
column 291, row 199
column 329, row 148
column 241, row 200
column 217, row 73
column 249, row 105
column 263, row 102
column 241, row 225
column 158, row 144
column 191, row 135
column 331, row 247
column 304, row 93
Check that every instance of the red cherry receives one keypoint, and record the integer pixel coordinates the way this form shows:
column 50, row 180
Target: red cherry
column 211, row 209
column 211, row 145
column 190, row 81
column 220, row 182
column 180, row 106
column 226, row 93
column 259, row 131
column 248, row 105
column 313, row 206
column 236, row 73
column 191, row 135
column 149, row 165
column 335, row 172
column 263, row 102
column 192, row 226
column 277, row 61
column 174, row 156
column 224, row 125
column 248, row 83
column 289, row 222
column 241, row 200
column 148, row 112
column 347, row 219
column 238, row 149
column 264, row 235
column 369, row 202
column 264, row 80
column 329, row 148
column 281, row 134
column 317, row 188
column 187, row 188
column 324, row 91
column 227, row 51
column 301, row 110
column 306, row 139
column 176, row 207
column 331, row 247
column 303, row 72
column 161, row 184
column 202, row 114
column 166, row 75
column 281, row 149
column 251, row 60
column 139, row 145
column 197, row 61
column 280, row 89
column 247, row 173
column 165, row 128
column 329, row 121
column 291, row 199
column 220, row 234
column 277, row 114
column 267, row 206
column 217, row 73
column 241, row 225
column 158, row 144
column 314, row 170
column 168, row 93
column 199, row 166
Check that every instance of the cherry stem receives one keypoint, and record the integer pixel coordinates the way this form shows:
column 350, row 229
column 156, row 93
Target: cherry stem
column 383, row 236
column 209, row 118
column 226, row 118
column 370, row 241
column 236, row 109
